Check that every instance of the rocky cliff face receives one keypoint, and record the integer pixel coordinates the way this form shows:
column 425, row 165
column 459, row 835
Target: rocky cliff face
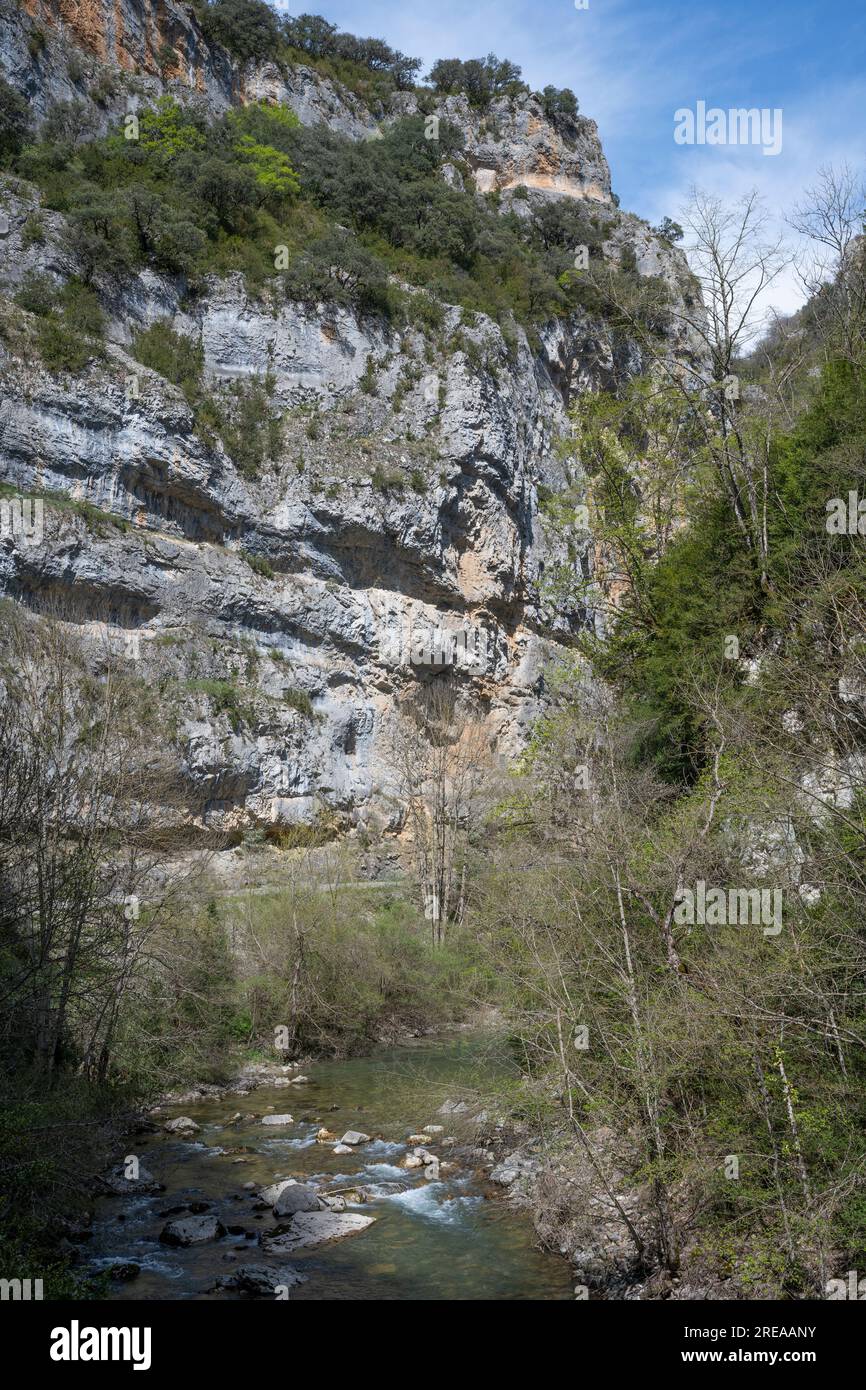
column 398, row 532
column 128, row 51
column 57, row 50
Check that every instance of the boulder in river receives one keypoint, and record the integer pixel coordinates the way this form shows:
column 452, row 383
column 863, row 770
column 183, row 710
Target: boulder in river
column 182, row 1125
column 116, row 1181
column 324, row 1136
column 413, row 1161
column 258, row 1282
column 315, row 1228
column 277, row 1120
column 193, row 1230
column 354, row 1136
column 296, row 1198
column 342, row 1149
column 269, row 1195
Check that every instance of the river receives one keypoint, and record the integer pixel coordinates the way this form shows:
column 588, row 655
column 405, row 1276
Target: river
column 447, row 1239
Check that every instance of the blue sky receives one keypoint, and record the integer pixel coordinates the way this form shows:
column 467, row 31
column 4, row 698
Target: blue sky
column 632, row 63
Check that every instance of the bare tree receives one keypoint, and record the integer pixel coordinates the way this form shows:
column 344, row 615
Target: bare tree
column 735, row 259
column 90, row 803
column 831, row 270
column 441, row 758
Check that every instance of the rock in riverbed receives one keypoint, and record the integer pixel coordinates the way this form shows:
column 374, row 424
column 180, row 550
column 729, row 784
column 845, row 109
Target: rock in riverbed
column 315, row 1228
column 182, row 1125
column 269, row 1195
column 258, row 1282
column 512, row 1167
column 277, row 1120
column 354, row 1136
column 193, row 1230
column 296, row 1198
column 116, row 1181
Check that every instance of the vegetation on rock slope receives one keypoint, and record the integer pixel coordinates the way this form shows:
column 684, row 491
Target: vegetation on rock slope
column 316, row 216
column 713, row 735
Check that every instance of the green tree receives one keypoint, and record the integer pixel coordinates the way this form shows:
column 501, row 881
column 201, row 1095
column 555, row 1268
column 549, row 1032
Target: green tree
column 447, row 75
column 669, row 230
column 311, row 34
column 337, row 267
column 225, row 187
column 167, row 131
column 163, row 236
column 558, row 103
column 272, row 171
column 249, row 29
column 14, row 121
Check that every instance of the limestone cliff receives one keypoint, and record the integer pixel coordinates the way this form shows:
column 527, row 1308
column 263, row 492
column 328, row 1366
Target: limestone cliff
column 399, row 530
column 131, row 50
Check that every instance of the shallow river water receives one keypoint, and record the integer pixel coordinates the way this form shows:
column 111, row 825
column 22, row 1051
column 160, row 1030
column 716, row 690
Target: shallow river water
column 452, row 1239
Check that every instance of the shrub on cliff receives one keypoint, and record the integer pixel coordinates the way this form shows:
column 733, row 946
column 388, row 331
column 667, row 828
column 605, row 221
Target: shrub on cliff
column 247, row 28
column 178, row 358
column 70, row 321
column 14, row 120
column 479, row 79
column 167, row 131
column 337, row 268
column 316, row 38
column 113, row 235
column 559, row 103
